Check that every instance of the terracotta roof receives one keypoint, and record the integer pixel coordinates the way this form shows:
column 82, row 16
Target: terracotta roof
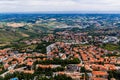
column 29, row 63
column 102, row 73
column 99, row 79
column 29, row 71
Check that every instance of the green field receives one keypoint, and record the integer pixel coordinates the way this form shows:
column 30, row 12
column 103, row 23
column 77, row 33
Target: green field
column 111, row 47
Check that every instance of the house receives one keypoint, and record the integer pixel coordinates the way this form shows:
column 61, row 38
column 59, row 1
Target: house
column 99, row 74
column 29, row 71
column 73, row 67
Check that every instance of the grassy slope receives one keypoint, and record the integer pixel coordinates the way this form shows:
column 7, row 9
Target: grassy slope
column 7, row 36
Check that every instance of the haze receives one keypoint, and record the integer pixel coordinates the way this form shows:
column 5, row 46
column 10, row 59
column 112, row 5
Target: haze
column 59, row 6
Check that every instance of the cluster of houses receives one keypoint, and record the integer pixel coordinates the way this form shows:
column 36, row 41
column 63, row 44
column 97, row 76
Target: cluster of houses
column 71, row 37
column 93, row 59
column 85, row 38
column 38, row 40
column 22, row 62
column 61, row 50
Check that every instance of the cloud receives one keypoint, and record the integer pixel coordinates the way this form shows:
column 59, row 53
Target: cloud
column 58, row 5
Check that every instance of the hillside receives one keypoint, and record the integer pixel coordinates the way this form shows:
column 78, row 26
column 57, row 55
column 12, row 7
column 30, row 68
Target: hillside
column 10, row 34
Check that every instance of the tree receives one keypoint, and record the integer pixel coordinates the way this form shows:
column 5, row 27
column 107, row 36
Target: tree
column 62, row 77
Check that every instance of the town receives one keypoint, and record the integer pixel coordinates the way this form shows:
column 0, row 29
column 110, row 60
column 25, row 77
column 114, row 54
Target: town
column 61, row 47
column 79, row 62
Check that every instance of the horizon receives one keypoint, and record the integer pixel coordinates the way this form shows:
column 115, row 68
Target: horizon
column 52, row 6
column 61, row 12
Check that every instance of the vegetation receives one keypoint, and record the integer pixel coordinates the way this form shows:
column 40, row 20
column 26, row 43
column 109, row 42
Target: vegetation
column 48, row 71
column 26, row 76
column 114, row 74
column 59, row 61
column 111, row 47
column 42, row 47
column 1, row 72
column 83, row 70
column 62, row 77
column 19, row 75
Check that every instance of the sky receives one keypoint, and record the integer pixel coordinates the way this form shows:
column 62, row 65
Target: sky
column 13, row 6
